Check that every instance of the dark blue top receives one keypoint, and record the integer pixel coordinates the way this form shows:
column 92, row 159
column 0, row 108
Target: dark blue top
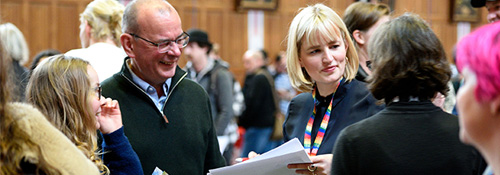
column 119, row 156
column 351, row 103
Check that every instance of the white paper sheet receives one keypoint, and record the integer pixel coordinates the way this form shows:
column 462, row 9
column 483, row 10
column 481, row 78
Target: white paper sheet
column 272, row 162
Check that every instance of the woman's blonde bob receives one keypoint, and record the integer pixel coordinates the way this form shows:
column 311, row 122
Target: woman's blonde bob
column 312, row 22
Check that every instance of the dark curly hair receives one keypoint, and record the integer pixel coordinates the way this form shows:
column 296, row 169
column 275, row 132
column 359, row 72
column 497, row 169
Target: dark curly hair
column 408, row 60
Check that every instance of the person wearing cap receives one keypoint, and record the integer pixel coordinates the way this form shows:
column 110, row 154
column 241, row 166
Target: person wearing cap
column 493, row 7
column 216, row 79
column 167, row 116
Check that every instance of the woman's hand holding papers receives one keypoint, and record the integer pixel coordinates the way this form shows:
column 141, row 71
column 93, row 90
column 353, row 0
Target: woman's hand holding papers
column 321, row 165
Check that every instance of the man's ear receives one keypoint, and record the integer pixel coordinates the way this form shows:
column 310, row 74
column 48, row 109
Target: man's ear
column 128, row 47
column 358, row 37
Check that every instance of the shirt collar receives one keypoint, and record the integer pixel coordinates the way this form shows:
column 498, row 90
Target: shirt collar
column 145, row 85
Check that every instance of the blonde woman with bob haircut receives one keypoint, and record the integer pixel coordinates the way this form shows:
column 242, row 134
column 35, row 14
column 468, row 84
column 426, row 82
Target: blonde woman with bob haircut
column 67, row 90
column 100, row 31
column 322, row 63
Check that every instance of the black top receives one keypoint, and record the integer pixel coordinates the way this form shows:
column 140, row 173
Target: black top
column 405, row 138
column 259, row 101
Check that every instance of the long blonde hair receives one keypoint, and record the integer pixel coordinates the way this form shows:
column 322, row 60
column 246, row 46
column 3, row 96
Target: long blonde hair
column 60, row 88
column 313, row 21
column 105, row 18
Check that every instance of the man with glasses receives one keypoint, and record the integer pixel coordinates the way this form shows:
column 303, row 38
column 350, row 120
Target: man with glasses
column 168, row 118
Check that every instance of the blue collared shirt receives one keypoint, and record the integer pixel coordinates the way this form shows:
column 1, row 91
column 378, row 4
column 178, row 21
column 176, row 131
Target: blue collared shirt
column 151, row 91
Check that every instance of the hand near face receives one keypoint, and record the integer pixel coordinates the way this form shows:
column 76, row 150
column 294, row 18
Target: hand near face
column 110, row 118
column 322, row 164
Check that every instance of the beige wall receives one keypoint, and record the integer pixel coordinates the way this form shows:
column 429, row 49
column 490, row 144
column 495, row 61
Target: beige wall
column 54, row 23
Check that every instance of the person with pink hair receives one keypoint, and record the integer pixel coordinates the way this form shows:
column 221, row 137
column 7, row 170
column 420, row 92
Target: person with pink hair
column 478, row 59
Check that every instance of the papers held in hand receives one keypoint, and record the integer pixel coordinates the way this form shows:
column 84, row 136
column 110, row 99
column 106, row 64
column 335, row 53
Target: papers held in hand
column 272, row 162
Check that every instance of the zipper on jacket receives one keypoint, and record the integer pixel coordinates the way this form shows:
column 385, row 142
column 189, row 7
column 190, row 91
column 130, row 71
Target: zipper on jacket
column 168, row 93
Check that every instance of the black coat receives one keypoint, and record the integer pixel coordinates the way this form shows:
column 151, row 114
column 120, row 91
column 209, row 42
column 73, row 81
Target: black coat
column 405, row 138
column 352, row 103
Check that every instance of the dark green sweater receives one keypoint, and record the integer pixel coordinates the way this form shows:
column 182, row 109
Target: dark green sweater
column 187, row 144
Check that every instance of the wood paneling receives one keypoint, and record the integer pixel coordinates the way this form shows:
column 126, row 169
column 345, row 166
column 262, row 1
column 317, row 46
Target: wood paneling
column 54, row 23
column 45, row 23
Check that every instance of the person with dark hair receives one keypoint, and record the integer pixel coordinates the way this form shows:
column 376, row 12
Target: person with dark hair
column 41, row 56
column 361, row 19
column 168, row 117
column 491, row 5
column 478, row 59
column 216, row 79
column 411, row 135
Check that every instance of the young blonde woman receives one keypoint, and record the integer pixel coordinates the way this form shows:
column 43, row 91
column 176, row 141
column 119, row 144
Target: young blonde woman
column 29, row 144
column 322, row 63
column 67, row 91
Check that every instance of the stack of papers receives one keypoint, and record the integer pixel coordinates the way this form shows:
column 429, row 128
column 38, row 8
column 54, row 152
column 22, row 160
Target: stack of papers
column 272, row 162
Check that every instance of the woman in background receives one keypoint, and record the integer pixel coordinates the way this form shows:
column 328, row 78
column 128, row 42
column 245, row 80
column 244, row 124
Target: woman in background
column 100, row 31
column 67, row 91
column 361, row 19
column 29, row 144
column 478, row 59
column 322, row 63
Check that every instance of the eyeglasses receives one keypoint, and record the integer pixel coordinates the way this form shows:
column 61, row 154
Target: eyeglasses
column 98, row 91
column 181, row 41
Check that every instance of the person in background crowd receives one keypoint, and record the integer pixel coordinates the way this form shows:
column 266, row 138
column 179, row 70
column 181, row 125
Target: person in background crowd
column 17, row 50
column 67, row 91
column 42, row 56
column 282, row 83
column 216, row 79
column 478, row 100
column 259, row 115
column 29, row 143
column 411, row 135
column 322, row 63
column 362, row 18
column 100, row 30
column 493, row 7
column 168, row 117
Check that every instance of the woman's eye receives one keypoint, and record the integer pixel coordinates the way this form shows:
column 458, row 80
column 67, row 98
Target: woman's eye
column 314, row 51
column 335, row 46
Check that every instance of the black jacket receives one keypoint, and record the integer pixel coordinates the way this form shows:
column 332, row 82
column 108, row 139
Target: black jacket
column 352, row 103
column 405, row 138
column 187, row 144
column 259, row 101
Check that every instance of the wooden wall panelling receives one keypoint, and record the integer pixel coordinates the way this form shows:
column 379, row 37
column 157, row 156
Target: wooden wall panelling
column 67, row 20
column 40, row 34
column 238, row 44
column 45, row 23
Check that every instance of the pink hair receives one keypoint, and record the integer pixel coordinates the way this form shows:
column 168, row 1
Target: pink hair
column 480, row 52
